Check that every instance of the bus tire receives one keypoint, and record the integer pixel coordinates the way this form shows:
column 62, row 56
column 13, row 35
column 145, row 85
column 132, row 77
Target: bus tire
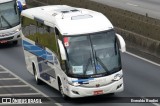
column 15, row 42
column 112, row 94
column 61, row 89
column 38, row 81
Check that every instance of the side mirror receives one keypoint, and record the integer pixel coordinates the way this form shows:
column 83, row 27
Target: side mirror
column 15, row 7
column 62, row 50
column 122, row 43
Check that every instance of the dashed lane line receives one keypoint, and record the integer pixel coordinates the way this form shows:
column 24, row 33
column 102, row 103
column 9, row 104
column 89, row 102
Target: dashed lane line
column 24, row 81
column 17, row 77
column 8, row 78
column 19, row 94
column 14, row 86
column 131, row 4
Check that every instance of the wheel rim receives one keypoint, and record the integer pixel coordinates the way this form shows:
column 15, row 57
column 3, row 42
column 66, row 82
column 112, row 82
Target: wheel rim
column 36, row 76
column 61, row 90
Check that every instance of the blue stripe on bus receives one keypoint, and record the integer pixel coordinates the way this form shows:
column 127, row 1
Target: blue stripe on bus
column 83, row 80
column 36, row 50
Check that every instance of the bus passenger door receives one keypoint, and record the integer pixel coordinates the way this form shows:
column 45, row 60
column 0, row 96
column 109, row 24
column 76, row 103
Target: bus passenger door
column 62, row 56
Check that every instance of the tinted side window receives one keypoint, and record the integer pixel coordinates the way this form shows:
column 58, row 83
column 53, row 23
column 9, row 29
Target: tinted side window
column 28, row 26
column 43, row 35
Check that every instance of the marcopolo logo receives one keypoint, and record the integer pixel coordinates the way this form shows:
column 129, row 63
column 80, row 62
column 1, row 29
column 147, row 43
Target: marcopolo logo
column 2, row 35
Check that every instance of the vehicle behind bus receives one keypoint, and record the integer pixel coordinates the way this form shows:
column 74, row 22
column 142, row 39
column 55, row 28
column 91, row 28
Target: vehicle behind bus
column 9, row 22
column 22, row 3
column 74, row 50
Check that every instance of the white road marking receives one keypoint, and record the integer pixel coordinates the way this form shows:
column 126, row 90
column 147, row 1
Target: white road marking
column 24, row 81
column 132, row 4
column 149, row 61
column 58, row 104
column 3, row 72
column 14, row 86
column 155, row 104
column 20, row 94
column 17, row 77
column 8, row 78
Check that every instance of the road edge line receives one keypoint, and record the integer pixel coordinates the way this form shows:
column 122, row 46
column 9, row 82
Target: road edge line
column 149, row 61
column 24, row 81
column 54, row 102
column 155, row 104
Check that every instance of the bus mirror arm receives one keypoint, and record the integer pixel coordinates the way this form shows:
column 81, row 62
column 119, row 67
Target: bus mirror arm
column 15, row 7
column 62, row 50
column 122, row 43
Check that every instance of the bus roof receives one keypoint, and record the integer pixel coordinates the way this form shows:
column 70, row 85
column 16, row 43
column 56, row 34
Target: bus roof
column 69, row 20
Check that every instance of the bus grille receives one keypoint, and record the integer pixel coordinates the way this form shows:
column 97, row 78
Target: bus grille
column 8, row 38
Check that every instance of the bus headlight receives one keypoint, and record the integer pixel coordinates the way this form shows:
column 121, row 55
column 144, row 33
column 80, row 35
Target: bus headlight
column 73, row 83
column 117, row 77
column 18, row 29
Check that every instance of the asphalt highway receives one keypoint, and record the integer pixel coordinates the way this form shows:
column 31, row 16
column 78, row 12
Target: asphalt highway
column 141, row 79
column 151, row 7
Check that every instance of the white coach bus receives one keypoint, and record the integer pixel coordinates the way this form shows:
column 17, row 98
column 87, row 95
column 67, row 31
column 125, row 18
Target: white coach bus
column 74, row 50
column 9, row 21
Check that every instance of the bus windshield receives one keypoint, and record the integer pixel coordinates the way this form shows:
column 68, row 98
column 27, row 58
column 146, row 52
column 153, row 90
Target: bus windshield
column 93, row 54
column 9, row 16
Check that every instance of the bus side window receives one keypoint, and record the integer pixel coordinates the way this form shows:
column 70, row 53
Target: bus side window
column 40, row 28
column 28, row 27
column 48, row 29
column 47, row 38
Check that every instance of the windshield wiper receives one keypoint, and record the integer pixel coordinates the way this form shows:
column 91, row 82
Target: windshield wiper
column 6, row 21
column 15, row 7
column 87, row 65
column 116, row 69
column 101, row 63
column 88, row 62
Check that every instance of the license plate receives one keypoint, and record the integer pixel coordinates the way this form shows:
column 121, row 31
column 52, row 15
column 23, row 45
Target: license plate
column 3, row 41
column 98, row 92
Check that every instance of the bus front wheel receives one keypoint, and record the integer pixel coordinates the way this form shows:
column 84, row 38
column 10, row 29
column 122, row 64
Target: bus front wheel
column 61, row 90
column 15, row 42
column 38, row 81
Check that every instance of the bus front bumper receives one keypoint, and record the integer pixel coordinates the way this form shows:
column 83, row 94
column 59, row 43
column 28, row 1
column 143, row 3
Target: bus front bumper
column 11, row 38
column 76, row 92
